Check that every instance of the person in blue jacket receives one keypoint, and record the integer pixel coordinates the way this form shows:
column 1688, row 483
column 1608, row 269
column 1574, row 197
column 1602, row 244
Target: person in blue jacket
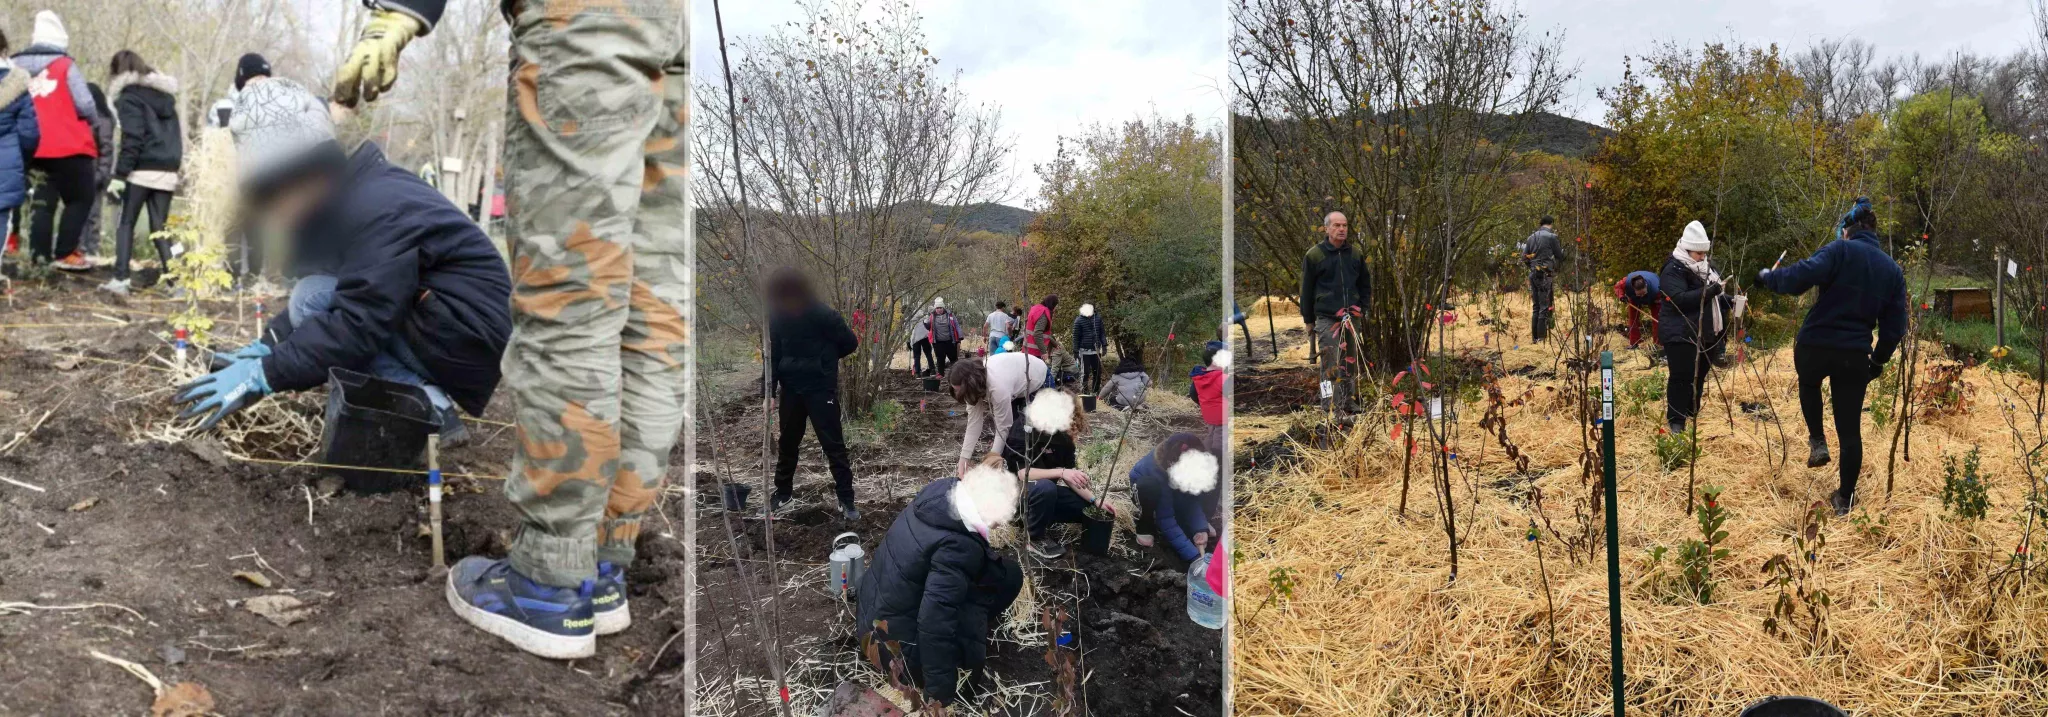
column 19, row 135
column 1173, row 484
column 393, row 280
column 1861, row 289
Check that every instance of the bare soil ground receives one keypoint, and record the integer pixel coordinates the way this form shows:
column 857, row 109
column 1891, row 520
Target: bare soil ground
column 1141, row 655
column 119, row 544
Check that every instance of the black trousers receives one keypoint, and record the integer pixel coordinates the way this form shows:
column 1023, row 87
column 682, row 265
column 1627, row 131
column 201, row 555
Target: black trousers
column 921, row 356
column 1542, row 304
column 1687, row 383
column 67, row 181
column 1048, row 503
column 132, row 204
column 1850, row 373
column 821, row 411
column 1091, row 373
column 948, row 352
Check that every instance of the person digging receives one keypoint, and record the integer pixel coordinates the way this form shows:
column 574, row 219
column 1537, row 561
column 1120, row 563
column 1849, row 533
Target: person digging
column 1176, row 487
column 1042, row 449
column 394, row 281
column 1861, row 289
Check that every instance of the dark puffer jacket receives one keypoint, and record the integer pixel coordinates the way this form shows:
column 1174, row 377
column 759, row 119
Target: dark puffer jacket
column 407, row 264
column 151, row 137
column 1860, row 288
column 18, row 136
column 938, row 587
column 808, row 346
column 1088, row 333
column 1333, row 280
column 1682, row 319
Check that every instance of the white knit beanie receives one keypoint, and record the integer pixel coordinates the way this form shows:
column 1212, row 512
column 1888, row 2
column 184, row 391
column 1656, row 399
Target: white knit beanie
column 279, row 127
column 49, row 31
column 1695, row 238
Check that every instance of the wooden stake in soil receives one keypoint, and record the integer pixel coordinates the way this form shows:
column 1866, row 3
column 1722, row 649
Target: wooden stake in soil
column 434, row 498
column 1613, row 526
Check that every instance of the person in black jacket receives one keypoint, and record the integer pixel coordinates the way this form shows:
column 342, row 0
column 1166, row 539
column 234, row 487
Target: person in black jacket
column 936, row 587
column 1692, row 324
column 394, row 281
column 1542, row 253
column 808, row 339
column 152, row 149
column 1091, row 342
column 1861, row 288
column 1335, row 286
column 1041, row 447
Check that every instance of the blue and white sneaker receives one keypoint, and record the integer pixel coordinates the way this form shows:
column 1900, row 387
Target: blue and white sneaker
column 545, row 620
column 608, row 599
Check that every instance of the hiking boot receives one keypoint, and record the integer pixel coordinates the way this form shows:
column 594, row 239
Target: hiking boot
column 115, row 286
column 74, row 262
column 847, row 511
column 1048, row 549
column 779, row 499
column 453, row 433
column 608, row 600
column 1676, row 427
column 545, row 620
column 1817, row 452
column 1842, row 503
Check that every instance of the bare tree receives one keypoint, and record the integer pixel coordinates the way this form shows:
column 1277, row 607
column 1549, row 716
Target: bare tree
column 860, row 158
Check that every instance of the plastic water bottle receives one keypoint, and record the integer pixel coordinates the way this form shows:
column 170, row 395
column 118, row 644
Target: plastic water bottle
column 1205, row 607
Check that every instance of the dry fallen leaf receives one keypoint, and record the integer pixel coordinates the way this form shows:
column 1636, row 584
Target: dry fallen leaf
column 280, row 610
column 83, row 505
column 66, row 363
column 185, row 699
column 253, row 578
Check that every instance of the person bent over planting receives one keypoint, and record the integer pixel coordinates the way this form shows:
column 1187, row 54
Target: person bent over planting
column 994, row 389
column 1334, row 285
column 808, row 339
column 1861, row 288
column 929, row 603
column 1542, row 253
column 1638, row 291
column 1042, row 449
column 1176, row 487
column 1692, row 325
column 393, row 280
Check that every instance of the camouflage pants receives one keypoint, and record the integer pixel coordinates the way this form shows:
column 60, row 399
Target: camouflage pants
column 596, row 138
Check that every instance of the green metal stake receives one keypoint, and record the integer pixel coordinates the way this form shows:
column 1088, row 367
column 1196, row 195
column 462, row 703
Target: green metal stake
column 1613, row 524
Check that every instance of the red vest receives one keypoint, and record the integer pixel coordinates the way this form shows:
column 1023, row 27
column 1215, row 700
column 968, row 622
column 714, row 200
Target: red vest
column 65, row 134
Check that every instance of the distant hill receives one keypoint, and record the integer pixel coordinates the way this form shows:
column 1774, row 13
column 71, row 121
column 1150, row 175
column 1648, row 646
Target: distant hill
column 985, row 216
column 1548, row 132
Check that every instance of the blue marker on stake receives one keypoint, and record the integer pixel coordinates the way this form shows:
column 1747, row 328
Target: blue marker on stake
column 434, row 495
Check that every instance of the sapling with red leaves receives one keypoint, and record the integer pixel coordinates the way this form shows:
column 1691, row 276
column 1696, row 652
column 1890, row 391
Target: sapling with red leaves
column 1803, row 605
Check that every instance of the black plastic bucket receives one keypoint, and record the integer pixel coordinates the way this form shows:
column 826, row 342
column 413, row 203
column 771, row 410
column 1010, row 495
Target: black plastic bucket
column 374, row 423
column 1792, row 707
column 1095, row 535
column 736, row 496
column 931, row 384
column 1088, row 402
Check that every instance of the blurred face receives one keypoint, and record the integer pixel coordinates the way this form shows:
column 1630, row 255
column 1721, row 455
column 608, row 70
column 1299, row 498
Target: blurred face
column 1642, row 288
column 1697, row 255
column 1337, row 227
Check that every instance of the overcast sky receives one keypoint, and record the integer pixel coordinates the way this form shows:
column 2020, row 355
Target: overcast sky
column 1053, row 66
column 1599, row 33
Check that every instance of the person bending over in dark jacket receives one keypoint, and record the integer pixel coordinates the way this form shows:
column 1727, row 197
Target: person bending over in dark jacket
column 1334, row 286
column 1638, row 291
column 936, row 587
column 1542, row 252
column 1861, row 288
column 1043, row 444
column 808, row 339
column 394, row 281
column 1176, row 487
column 1692, row 323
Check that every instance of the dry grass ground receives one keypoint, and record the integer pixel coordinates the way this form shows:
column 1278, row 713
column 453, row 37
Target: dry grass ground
column 1373, row 625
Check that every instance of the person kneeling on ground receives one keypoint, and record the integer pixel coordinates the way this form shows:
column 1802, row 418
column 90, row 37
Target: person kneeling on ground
column 1042, row 447
column 1126, row 388
column 1174, row 483
column 1861, row 288
column 936, row 587
column 993, row 388
column 394, row 281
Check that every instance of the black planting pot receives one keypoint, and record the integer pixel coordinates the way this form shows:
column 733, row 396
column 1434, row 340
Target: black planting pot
column 1095, row 535
column 1792, row 706
column 931, row 384
column 1088, row 402
column 736, row 496
column 378, row 430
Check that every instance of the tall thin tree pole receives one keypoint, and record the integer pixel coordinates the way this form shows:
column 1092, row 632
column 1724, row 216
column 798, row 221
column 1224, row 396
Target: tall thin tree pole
column 768, row 637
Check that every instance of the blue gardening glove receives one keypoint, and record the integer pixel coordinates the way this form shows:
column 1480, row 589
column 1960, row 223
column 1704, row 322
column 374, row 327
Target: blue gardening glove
column 256, row 350
column 223, row 392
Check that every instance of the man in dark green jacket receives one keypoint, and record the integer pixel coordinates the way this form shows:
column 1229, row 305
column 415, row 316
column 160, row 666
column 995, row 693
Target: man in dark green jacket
column 1334, row 286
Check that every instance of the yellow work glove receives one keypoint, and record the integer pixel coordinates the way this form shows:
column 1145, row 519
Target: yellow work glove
column 372, row 67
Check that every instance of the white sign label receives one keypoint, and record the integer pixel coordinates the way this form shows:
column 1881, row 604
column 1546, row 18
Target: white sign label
column 1606, row 394
column 1328, row 391
column 2012, row 268
column 1436, row 409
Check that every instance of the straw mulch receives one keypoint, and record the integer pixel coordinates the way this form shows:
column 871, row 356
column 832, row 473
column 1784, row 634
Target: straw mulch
column 1374, row 626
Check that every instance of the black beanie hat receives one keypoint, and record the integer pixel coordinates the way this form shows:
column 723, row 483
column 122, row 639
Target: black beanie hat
column 251, row 65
